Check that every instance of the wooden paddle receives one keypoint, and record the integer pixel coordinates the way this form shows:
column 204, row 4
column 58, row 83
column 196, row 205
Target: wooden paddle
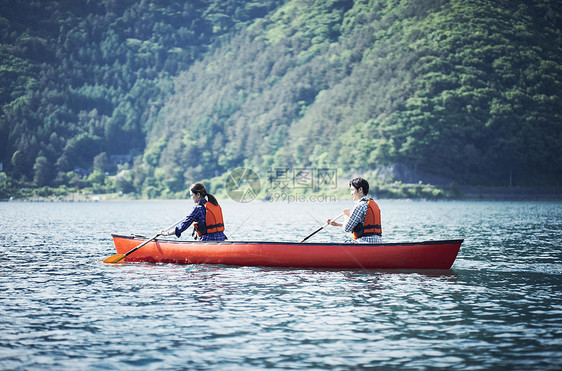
column 118, row 258
column 319, row 229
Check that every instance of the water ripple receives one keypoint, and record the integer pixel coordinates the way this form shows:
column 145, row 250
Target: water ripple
column 498, row 308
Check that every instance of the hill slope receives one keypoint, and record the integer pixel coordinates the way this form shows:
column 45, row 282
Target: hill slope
column 470, row 91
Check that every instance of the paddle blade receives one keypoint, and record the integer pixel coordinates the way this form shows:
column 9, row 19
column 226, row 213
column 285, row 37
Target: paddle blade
column 117, row 258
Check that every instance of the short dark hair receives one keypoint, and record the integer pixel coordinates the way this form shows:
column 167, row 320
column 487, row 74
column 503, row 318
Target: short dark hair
column 360, row 183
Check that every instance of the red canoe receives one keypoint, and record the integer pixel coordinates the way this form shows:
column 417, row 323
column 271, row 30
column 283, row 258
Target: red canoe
column 407, row 255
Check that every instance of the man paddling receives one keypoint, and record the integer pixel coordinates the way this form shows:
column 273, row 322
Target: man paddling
column 364, row 221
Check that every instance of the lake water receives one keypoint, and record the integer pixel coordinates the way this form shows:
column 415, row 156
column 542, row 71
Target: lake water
column 500, row 306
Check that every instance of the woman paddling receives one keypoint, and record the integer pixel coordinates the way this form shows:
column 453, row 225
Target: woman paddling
column 365, row 218
column 206, row 217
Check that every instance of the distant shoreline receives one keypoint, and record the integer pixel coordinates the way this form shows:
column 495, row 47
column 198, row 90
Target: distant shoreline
column 468, row 193
column 511, row 194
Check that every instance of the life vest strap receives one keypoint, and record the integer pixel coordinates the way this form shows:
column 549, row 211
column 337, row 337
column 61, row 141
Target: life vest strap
column 372, row 234
column 204, row 229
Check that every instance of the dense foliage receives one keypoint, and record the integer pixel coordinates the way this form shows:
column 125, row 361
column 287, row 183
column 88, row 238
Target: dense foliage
column 157, row 94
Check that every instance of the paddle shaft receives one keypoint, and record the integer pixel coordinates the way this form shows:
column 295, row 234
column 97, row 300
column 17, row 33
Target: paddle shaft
column 319, row 229
column 144, row 243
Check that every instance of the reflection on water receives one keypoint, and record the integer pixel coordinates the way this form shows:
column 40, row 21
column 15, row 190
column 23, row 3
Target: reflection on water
column 499, row 307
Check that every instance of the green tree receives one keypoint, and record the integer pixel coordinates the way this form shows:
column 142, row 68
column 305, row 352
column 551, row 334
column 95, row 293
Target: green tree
column 43, row 172
column 101, row 162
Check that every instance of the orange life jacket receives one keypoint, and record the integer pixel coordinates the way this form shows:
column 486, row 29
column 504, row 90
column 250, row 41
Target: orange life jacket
column 372, row 223
column 213, row 220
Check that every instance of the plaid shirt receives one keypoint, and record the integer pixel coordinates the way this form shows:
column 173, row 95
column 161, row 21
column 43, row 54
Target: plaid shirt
column 198, row 214
column 357, row 216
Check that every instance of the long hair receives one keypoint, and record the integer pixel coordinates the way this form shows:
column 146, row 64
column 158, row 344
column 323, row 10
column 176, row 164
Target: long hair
column 200, row 188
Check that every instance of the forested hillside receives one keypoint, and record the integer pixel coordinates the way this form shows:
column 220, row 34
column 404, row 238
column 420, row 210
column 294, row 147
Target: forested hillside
column 164, row 93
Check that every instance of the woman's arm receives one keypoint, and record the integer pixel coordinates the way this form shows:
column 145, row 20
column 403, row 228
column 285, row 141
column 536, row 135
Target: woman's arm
column 196, row 215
